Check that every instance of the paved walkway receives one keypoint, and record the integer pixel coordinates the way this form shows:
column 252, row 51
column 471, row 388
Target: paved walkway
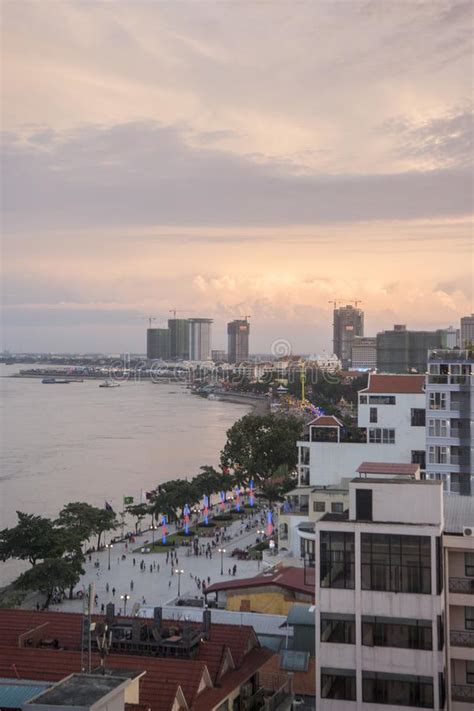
column 158, row 586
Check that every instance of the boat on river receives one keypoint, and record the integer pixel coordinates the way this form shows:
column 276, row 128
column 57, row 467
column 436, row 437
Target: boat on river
column 55, row 381
column 109, row 384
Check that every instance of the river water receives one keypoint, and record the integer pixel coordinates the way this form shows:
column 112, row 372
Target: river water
column 79, row 442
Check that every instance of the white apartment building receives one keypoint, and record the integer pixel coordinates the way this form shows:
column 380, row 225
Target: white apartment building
column 458, row 547
column 450, row 419
column 391, row 428
column 379, row 599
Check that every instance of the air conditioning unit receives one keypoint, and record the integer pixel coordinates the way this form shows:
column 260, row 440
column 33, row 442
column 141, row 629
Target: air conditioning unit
column 468, row 531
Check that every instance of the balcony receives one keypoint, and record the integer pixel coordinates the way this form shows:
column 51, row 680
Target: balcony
column 461, row 585
column 462, row 692
column 462, row 638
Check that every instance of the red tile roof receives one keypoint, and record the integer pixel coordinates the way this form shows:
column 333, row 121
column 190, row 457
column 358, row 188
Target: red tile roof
column 388, row 468
column 402, row 384
column 288, row 578
column 159, row 686
column 325, row 421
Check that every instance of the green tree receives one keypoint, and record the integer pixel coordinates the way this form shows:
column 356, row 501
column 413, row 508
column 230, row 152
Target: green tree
column 258, row 445
column 33, row 538
column 170, row 498
column 50, row 575
column 86, row 520
column 138, row 511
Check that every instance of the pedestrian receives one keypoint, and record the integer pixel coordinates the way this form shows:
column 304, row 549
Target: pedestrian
column 106, row 587
column 158, row 567
column 113, row 592
column 131, row 584
column 96, row 599
column 134, row 561
column 169, row 584
column 102, row 609
column 208, row 580
column 229, row 571
column 151, row 568
column 234, row 570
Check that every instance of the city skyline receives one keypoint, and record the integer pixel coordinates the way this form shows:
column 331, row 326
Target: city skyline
column 157, row 158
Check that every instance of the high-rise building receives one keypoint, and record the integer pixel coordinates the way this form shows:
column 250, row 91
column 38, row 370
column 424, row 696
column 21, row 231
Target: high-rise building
column 179, row 338
column 403, row 351
column 348, row 323
column 379, row 601
column 467, row 330
column 364, row 353
column 238, row 340
column 218, row 356
column 157, row 344
column 200, row 338
column 450, row 420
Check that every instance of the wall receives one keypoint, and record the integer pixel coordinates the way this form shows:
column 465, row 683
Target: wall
column 271, row 601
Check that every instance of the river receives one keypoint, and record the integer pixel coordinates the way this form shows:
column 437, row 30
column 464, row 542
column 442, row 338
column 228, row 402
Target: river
column 79, row 442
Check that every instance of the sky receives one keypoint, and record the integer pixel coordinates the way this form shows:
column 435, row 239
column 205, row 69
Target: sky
column 233, row 158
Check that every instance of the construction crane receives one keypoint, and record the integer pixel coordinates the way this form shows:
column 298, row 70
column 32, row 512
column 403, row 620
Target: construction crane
column 175, row 311
column 150, row 319
column 357, row 301
column 349, row 301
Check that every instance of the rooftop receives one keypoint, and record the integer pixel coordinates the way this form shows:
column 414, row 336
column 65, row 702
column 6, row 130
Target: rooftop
column 15, row 692
column 458, row 513
column 302, row 615
column 325, row 421
column 388, row 468
column 404, row 482
column 390, row 384
column 289, row 578
column 84, row 689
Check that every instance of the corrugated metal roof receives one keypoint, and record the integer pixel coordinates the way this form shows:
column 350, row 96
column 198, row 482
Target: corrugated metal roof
column 15, row 693
column 458, row 512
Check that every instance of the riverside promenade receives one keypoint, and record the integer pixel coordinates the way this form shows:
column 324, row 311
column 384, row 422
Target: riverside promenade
column 153, row 582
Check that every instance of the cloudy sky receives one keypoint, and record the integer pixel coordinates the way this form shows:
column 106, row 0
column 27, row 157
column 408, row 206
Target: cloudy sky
column 232, row 158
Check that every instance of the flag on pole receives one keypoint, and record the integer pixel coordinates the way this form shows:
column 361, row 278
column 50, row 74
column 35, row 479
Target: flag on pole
column 108, row 507
column 127, row 500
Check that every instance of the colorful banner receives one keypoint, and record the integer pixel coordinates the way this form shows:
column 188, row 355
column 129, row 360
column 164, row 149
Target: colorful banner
column 251, row 499
column 269, row 523
column 127, row 500
column 206, row 509
column 164, row 530
column 237, row 498
column 186, row 512
column 222, row 500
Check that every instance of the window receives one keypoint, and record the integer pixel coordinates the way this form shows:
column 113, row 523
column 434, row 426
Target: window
column 437, row 455
column 382, row 400
column 319, row 506
column 398, row 690
column 469, row 618
column 396, row 563
column 437, row 428
column 469, row 565
column 337, row 507
column 437, row 401
column 304, row 455
column 339, row 629
column 381, row 436
column 469, row 672
column 418, row 417
column 418, row 456
column 399, row 633
column 364, row 504
column 338, row 684
column 337, row 559
column 363, row 399
column 373, row 414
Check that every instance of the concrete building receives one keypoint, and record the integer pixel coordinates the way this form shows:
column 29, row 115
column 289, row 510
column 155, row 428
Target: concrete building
column 364, row 353
column 200, row 339
column 467, row 330
column 157, row 344
column 218, row 356
column 391, row 428
column 403, row 351
column 379, row 599
column 238, row 333
column 450, row 415
column 348, row 322
column 458, row 547
column 179, row 338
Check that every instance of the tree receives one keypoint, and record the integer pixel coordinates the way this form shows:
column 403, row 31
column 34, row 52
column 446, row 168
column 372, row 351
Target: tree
column 138, row 511
column 33, row 538
column 169, row 498
column 258, row 445
column 51, row 574
column 86, row 520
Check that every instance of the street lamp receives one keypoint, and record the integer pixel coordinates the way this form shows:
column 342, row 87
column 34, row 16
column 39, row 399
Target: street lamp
column 109, row 546
column 179, row 574
column 125, row 599
column 222, row 551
